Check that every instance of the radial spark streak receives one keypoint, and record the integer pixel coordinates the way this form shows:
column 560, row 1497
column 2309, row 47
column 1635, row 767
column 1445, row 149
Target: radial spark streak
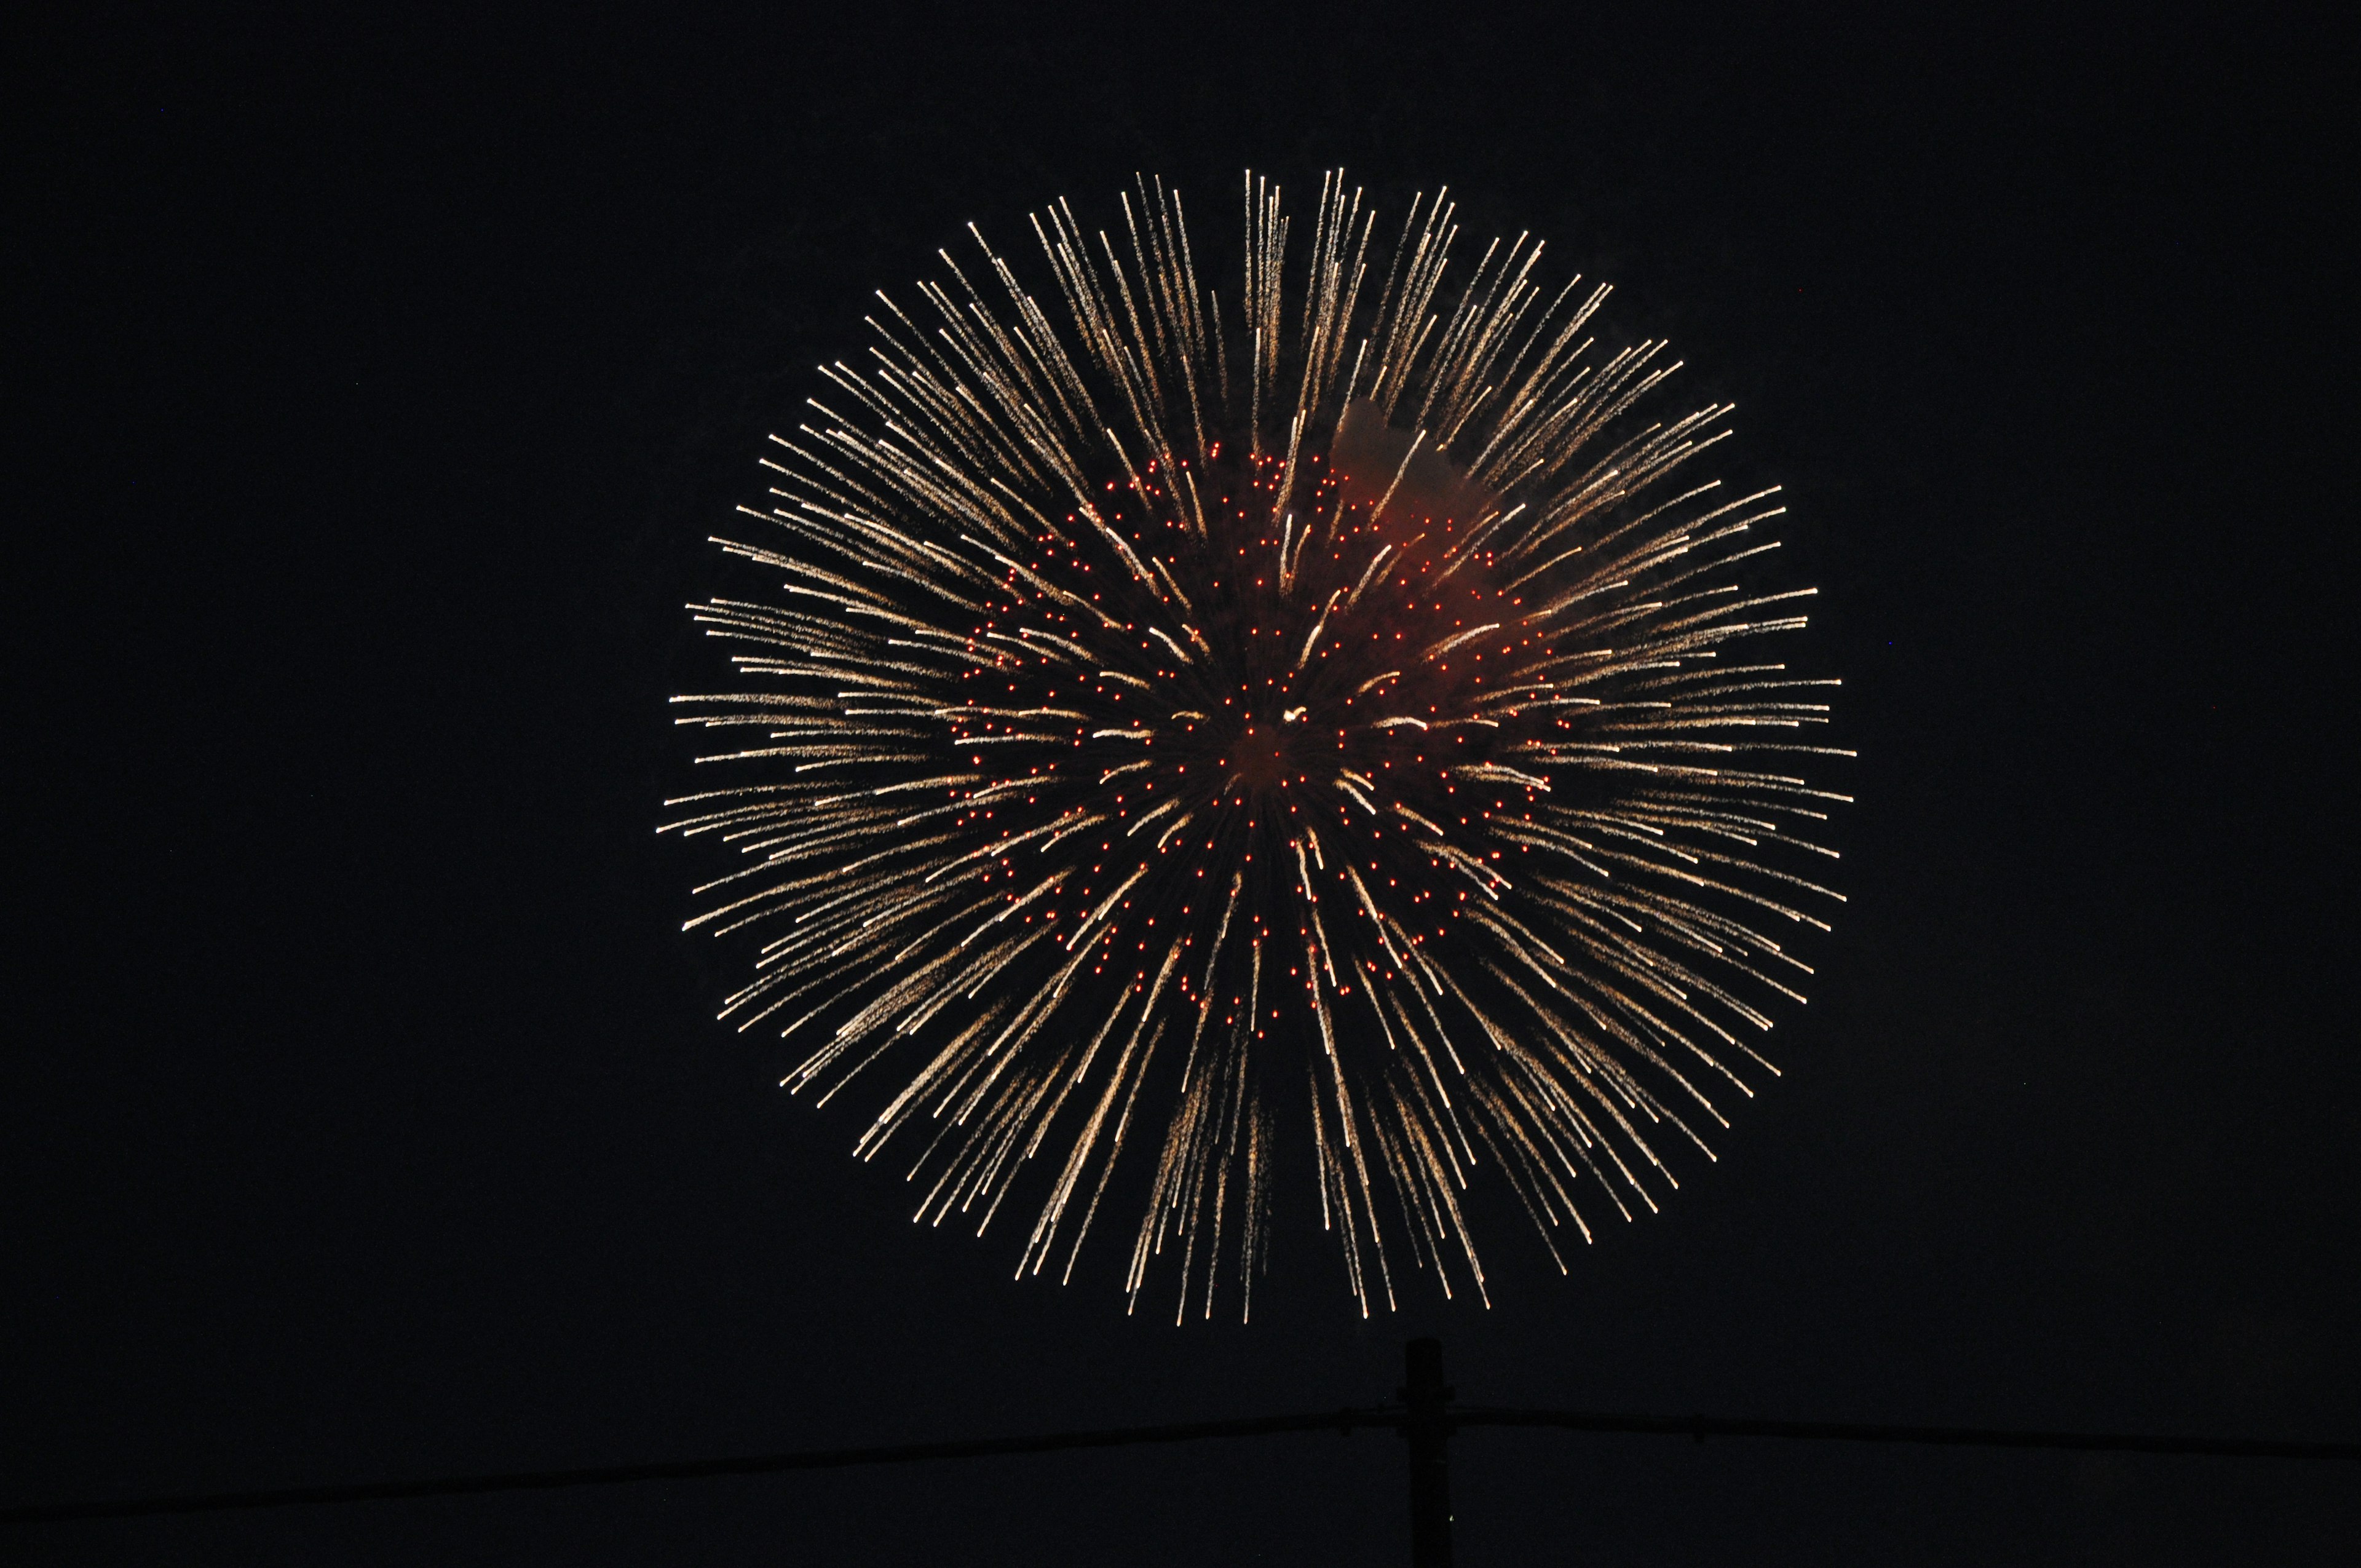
column 1194, row 741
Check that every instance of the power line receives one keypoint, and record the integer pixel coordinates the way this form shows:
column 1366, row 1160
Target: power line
column 689, row 1469
column 1426, row 1419
column 1703, row 1427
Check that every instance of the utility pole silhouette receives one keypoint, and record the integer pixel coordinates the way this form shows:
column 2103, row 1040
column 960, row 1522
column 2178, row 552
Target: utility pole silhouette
column 1427, row 1432
column 1424, row 1415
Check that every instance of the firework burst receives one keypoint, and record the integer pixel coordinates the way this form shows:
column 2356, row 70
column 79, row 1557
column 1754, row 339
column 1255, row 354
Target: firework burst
column 1201, row 736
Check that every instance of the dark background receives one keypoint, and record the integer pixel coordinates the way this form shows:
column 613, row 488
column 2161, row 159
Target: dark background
column 363, row 1114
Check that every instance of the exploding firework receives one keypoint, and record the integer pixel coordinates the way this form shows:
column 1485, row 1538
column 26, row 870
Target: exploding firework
column 1208, row 736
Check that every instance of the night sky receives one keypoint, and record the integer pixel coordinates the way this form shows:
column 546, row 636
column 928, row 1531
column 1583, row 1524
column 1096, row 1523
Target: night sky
column 364, row 1114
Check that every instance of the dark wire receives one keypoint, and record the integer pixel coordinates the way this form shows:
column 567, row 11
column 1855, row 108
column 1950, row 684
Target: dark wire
column 1345, row 1421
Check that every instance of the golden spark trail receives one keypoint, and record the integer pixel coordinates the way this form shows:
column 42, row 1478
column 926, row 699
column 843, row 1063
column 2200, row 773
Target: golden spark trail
column 1115, row 645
